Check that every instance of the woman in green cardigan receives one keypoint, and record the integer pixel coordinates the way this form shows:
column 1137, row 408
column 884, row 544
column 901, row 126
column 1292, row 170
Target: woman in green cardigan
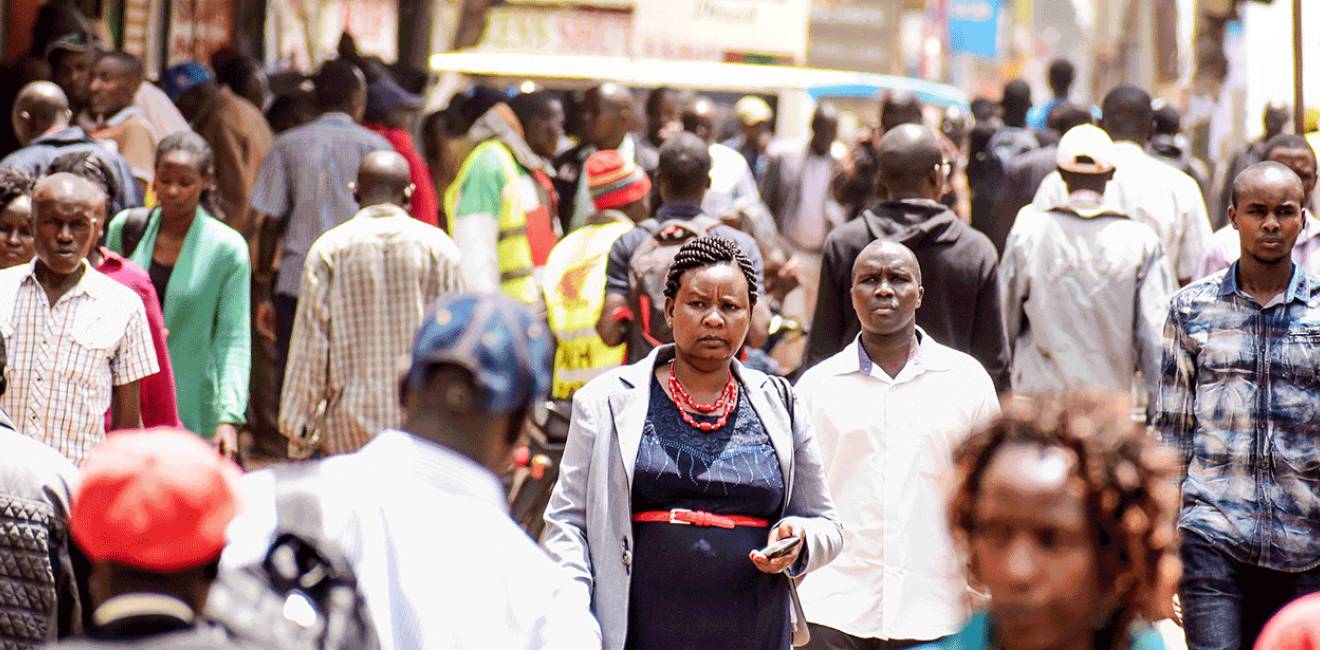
column 201, row 272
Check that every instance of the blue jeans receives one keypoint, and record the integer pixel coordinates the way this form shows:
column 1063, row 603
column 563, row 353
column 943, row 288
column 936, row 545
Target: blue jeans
column 1225, row 603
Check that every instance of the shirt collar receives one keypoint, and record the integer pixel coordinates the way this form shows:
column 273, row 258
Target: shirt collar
column 338, row 117
column 1298, row 287
column 142, row 604
column 122, row 116
column 444, row 468
column 383, row 210
column 82, row 287
column 682, row 211
column 920, row 360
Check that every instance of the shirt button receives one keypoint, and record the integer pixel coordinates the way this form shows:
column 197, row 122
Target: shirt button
column 627, row 558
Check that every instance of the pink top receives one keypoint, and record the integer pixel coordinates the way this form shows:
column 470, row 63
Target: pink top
column 159, row 405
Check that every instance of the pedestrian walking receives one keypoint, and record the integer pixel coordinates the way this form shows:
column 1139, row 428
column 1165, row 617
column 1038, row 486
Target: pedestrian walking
column 680, row 468
column 199, row 268
column 1238, row 362
column 898, row 580
column 366, row 288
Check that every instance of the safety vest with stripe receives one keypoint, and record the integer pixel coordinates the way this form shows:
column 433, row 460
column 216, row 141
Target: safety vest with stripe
column 574, row 296
column 525, row 232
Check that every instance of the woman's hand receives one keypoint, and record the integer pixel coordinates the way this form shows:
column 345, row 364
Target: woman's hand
column 780, row 564
column 226, row 440
column 266, row 325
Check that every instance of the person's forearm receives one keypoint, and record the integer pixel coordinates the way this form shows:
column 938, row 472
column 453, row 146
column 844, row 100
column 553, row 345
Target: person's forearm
column 269, row 233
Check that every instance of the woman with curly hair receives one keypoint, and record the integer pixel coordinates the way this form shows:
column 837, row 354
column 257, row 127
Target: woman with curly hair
column 680, row 468
column 1066, row 510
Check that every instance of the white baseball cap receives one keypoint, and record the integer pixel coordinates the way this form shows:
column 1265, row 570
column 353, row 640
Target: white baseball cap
column 1085, row 149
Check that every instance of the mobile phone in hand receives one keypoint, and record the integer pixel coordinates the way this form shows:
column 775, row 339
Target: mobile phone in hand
column 776, row 550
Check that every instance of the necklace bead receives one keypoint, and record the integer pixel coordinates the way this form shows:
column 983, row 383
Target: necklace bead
column 728, row 400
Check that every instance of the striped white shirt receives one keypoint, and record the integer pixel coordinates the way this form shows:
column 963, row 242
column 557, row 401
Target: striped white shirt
column 64, row 360
column 365, row 291
column 304, row 181
column 437, row 558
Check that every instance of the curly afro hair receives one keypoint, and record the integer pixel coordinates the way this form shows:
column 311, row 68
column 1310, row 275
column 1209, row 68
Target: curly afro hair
column 1131, row 491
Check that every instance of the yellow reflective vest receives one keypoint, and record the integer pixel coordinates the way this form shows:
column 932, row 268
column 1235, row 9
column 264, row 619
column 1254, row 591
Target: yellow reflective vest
column 491, row 181
column 574, row 297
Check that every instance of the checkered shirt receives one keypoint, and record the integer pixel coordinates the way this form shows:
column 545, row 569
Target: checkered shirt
column 63, row 360
column 366, row 288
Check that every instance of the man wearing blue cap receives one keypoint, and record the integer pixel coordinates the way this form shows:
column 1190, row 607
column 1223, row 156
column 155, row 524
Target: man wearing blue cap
column 456, row 571
column 235, row 129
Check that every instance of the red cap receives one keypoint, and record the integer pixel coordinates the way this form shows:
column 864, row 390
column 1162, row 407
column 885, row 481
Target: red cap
column 158, row 500
column 1294, row 627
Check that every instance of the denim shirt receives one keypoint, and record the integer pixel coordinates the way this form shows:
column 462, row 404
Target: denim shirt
column 1239, row 399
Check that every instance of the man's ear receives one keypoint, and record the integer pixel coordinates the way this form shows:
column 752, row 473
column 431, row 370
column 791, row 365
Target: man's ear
column 1232, row 216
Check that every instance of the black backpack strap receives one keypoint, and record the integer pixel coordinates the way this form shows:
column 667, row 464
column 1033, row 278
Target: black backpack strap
column 135, row 225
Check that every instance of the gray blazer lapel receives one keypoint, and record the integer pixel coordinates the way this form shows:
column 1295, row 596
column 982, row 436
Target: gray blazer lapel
column 628, row 407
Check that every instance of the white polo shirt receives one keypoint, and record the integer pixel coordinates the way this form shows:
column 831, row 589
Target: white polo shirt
column 887, row 446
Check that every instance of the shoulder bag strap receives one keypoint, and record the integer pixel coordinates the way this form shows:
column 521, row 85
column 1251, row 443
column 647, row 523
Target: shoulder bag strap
column 135, row 225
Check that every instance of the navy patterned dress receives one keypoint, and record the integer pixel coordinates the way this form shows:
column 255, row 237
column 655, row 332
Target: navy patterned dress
column 694, row 587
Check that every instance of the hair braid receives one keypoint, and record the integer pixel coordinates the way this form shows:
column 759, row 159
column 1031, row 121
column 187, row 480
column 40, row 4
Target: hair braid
column 709, row 251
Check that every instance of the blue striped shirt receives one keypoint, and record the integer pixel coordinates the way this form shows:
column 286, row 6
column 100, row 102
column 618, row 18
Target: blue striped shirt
column 304, row 181
column 1239, row 399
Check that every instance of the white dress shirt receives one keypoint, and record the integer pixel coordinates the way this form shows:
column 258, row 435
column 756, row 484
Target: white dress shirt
column 1152, row 192
column 887, row 445
column 437, row 558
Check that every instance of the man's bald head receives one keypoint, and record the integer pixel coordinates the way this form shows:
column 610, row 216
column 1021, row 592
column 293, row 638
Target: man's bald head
column 384, row 177
column 909, row 155
column 699, row 118
column 899, row 107
column 885, row 247
column 1266, row 173
column 609, row 114
column 39, row 107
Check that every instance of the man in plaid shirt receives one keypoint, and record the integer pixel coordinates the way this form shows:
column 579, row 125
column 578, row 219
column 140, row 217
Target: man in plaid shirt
column 1239, row 399
column 78, row 341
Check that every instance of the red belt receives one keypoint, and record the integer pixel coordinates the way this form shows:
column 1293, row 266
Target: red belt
column 699, row 518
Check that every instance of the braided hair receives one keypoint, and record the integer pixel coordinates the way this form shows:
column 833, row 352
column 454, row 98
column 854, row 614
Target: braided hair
column 709, row 251
column 1131, row 494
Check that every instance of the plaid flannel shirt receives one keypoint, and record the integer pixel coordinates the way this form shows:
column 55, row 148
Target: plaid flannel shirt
column 1239, row 399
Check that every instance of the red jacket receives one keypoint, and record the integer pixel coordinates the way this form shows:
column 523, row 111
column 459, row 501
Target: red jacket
column 160, row 407
column 424, row 207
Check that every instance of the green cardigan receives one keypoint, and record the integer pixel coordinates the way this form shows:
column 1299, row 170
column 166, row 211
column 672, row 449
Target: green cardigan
column 207, row 313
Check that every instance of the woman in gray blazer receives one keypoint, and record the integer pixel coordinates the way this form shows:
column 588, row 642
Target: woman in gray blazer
column 680, row 468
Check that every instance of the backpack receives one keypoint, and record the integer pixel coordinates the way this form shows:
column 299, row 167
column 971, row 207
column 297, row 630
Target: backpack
column 647, row 269
column 303, row 594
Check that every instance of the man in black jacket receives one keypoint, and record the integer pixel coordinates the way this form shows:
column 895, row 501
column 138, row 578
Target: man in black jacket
column 961, row 305
column 608, row 118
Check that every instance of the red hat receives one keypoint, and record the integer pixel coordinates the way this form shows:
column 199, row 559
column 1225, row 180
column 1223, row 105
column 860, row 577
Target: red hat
column 158, row 500
column 613, row 180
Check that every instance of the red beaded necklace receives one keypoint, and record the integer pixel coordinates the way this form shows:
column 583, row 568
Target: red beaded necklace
column 728, row 401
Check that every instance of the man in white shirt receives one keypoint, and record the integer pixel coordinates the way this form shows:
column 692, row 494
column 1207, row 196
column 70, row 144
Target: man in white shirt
column 419, row 512
column 1145, row 188
column 732, row 193
column 889, row 410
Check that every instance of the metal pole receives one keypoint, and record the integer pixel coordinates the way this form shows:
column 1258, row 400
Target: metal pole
column 1299, row 107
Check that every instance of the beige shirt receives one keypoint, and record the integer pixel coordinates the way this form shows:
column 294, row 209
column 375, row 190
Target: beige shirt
column 366, row 287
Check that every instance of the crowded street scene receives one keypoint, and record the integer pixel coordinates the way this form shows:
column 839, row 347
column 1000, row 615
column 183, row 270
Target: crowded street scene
column 660, row 324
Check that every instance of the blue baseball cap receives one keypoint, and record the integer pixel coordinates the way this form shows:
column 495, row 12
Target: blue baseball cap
column 184, row 77
column 508, row 350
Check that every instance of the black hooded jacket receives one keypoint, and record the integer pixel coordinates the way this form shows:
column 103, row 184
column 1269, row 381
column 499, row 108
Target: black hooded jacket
column 959, row 271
